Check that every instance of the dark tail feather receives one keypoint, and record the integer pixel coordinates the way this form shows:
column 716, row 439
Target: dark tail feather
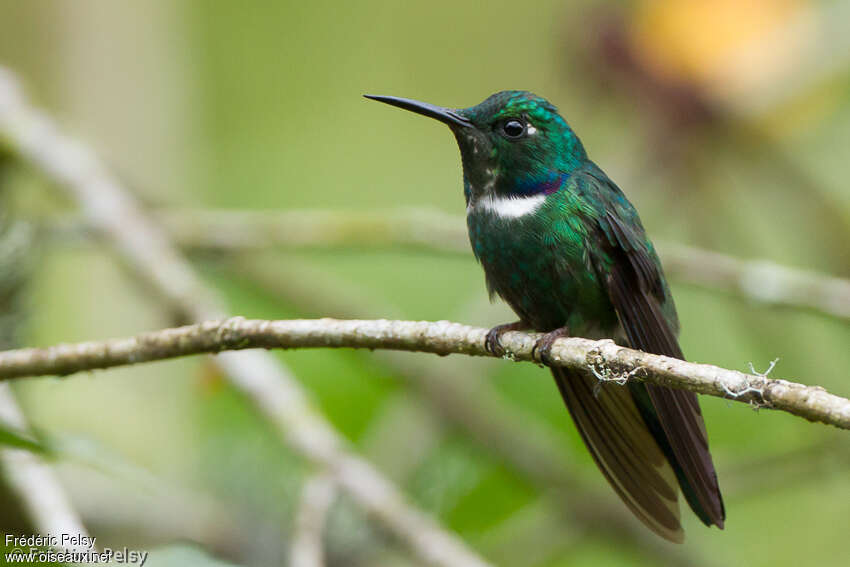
column 613, row 428
column 685, row 442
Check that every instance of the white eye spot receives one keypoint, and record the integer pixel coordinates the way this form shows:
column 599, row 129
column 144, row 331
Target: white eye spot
column 530, row 130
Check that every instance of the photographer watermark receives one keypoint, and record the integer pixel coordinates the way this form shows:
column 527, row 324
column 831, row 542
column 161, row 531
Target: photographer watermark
column 66, row 548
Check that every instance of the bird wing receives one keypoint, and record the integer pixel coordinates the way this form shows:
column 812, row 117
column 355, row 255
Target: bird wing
column 631, row 272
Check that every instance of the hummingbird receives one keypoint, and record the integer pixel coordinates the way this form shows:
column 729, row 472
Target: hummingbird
column 562, row 245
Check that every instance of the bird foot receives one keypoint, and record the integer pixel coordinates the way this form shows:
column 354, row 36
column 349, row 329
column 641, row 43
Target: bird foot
column 493, row 342
column 543, row 346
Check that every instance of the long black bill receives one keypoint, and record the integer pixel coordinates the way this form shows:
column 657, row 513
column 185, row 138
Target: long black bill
column 445, row 115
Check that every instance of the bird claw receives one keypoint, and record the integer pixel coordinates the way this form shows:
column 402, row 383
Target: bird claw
column 493, row 341
column 542, row 349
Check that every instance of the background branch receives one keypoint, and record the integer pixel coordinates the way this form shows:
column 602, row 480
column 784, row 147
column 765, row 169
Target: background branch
column 34, row 483
column 608, row 361
column 757, row 280
column 317, row 496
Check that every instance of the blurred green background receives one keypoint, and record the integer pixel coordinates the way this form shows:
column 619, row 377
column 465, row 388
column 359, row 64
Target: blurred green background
column 726, row 123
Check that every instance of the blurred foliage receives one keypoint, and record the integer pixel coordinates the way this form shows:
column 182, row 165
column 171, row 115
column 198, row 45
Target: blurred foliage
column 727, row 123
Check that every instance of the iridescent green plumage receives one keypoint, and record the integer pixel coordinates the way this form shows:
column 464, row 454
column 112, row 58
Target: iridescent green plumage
column 561, row 244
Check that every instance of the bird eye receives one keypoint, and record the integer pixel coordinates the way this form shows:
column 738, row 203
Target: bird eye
column 513, row 129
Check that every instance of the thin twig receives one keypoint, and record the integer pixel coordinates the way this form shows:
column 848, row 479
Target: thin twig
column 608, row 361
column 114, row 213
column 317, row 496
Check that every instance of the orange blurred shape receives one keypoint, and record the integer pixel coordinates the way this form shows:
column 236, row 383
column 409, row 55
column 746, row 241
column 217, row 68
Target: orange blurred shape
column 210, row 378
column 729, row 47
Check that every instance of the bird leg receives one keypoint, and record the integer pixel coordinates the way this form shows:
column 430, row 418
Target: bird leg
column 543, row 346
column 493, row 343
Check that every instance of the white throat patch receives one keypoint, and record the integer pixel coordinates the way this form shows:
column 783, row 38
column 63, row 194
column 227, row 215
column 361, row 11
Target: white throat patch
column 510, row 207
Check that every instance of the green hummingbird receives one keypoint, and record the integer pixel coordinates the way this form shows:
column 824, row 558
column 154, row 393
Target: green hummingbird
column 564, row 247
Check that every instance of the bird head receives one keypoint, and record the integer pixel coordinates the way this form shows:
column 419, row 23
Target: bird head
column 514, row 143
